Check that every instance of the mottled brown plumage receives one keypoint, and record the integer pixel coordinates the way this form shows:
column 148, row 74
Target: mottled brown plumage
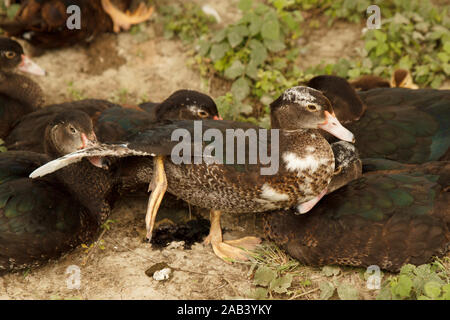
column 306, row 165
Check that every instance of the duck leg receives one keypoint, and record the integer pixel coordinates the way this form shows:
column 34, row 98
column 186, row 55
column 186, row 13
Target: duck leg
column 228, row 250
column 125, row 20
column 158, row 186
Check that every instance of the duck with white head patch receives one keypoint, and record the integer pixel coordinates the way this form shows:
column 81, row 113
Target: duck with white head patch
column 301, row 180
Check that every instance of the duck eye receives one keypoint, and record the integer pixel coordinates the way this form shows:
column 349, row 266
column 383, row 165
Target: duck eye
column 202, row 113
column 10, row 54
column 311, row 107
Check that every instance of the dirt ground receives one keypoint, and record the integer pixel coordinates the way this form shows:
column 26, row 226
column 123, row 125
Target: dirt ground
column 131, row 68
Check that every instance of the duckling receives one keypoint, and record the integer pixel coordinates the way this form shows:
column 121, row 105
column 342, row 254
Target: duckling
column 401, row 78
column 19, row 95
column 409, row 126
column 306, row 166
column 385, row 218
column 44, row 23
column 42, row 219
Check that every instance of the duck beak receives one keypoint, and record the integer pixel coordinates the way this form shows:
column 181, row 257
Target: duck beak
column 92, row 142
column 217, row 118
column 333, row 126
column 30, row 67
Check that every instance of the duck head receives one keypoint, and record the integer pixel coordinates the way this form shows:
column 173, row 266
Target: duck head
column 346, row 104
column 401, row 78
column 12, row 57
column 187, row 105
column 306, row 108
column 68, row 132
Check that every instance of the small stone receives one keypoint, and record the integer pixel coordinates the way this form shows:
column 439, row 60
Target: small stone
column 156, row 267
column 162, row 275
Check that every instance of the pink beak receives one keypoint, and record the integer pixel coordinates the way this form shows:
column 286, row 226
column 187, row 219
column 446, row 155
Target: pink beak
column 96, row 161
column 30, row 67
column 333, row 126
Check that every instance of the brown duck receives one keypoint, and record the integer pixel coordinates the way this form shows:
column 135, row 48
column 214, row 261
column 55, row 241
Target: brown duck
column 386, row 218
column 19, row 95
column 44, row 218
column 409, row 126
column 305, row 157
column 112, row 122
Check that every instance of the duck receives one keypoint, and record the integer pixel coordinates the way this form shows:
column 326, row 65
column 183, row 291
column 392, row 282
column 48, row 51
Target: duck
column 399, row 124
column 235, row 188
column 386, row 218
column 197, row 105
column 44, row 23
column 112, row 122
column 42, row 219
column 401, row 78
column 19, row 95
column 118, row 123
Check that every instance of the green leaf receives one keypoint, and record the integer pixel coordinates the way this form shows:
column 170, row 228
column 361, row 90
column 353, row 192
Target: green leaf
column 280, row 285
column 252, row 70
column 369, row 45
column 347, row 292
column 446, row 68
column 380, row 36
column 219, row 36
column 330, row 271
column 274, row 45
column 259, row 52
column 270, row 30
column 354, row 73
column 260, row 293
column 263, row 275
column 408, row 269
column 289, row 20
column 446, row 290
column 443, row 56
column 382, row 48
column 235, row 70
column 403, row 286
column 447, row 47
column 245, row 5
column 432, row 289
column 218, row 51
column 236, row 35
column 203, row 47
column 326, row 290
column 256, row 23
